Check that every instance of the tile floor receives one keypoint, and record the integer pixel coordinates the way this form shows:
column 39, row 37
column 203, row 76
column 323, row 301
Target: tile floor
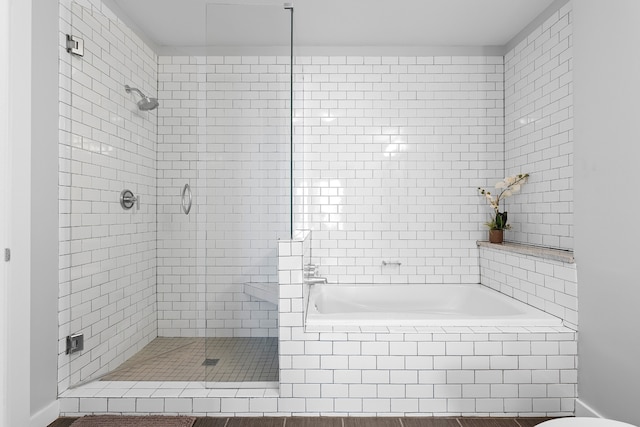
column 183, row 359
column 352, row 422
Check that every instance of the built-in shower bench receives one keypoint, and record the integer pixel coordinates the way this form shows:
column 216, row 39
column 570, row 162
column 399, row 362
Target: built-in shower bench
column 263, row 291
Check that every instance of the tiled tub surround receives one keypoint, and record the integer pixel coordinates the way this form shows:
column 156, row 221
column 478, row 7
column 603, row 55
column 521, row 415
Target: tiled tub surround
column 419, row 370
column 539, row 132
column 107, row 254
column 394, row 150
column 540, row 277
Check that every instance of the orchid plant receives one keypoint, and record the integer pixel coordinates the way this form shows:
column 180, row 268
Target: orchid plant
column 507, row 187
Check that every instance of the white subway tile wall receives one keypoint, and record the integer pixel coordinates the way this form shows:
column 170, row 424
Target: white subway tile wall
column 107, row 255
column 376, row 371
column 223, row 129
column 389, row 152
column 394, row 149
column 549, row 285
column 539, row 133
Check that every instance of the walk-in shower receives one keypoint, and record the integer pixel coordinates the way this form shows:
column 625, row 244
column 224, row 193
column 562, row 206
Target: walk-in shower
column 158, row 292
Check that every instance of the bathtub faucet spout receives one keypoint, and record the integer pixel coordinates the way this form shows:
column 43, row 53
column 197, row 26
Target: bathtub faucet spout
column 311, row 277
column 315, row 281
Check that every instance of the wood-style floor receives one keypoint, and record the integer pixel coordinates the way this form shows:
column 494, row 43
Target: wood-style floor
column 351, row 422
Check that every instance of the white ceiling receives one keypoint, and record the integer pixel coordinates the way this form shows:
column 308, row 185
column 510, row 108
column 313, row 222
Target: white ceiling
column 171, row 24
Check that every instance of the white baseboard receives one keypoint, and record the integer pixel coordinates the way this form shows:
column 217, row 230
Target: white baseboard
column 584, row 410
column 46, row 416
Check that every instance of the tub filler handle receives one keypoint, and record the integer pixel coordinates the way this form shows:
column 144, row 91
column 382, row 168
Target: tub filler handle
column 397, row 263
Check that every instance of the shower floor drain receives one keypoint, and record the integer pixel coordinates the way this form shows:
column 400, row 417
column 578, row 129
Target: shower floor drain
column 210, row 362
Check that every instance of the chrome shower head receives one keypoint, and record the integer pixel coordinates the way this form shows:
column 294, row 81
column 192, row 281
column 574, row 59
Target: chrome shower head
column 146, row 103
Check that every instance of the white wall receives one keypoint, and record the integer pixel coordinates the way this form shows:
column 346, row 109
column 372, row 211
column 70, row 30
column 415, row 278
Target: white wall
column 539, row 133
column 395, row 148
column 107, row 254
column 17, row 348
column 607, row 230
column 5, row 226
column 44, row 206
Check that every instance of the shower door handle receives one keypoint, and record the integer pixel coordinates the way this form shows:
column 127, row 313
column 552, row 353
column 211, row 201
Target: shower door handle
column 186, row 207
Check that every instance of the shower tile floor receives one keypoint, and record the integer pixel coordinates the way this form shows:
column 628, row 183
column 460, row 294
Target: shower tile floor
column 183, row 359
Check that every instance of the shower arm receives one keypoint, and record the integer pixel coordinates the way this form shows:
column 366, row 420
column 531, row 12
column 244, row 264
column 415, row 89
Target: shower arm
column 129, row 89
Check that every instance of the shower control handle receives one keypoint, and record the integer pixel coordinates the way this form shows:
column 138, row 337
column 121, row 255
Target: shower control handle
column 127, row 200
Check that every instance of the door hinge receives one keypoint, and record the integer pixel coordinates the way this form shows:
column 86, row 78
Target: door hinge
column 75, row 343
column 75, row 45
column 7, row 254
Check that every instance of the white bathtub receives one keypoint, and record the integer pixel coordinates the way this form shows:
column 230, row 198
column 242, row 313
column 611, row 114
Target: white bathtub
column 420, row 305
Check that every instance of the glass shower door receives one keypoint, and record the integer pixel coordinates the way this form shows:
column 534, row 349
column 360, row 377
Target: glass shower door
column 244, row 174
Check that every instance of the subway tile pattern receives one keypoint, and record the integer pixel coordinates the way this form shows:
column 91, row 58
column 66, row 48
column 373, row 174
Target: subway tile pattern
column 107, row 255
column 377, row 371
column 539, row 133
column 441, row 117
column 549, row 285
column 223, row 129
column 394, row 149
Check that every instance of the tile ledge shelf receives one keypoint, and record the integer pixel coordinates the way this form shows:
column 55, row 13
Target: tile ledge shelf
column 535, row 251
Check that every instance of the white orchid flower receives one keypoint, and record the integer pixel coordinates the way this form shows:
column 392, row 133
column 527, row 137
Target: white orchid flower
column 506, row 188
